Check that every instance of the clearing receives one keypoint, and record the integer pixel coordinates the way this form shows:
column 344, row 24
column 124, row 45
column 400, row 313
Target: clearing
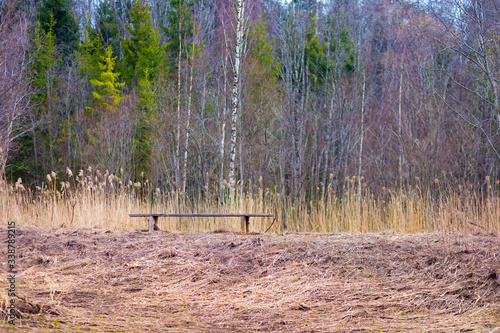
column 95, row 280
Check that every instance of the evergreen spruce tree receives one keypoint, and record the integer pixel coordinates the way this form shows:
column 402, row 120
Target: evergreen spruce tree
column 179, row 30
column 107, row 27
column 315, row 53
column 263, row 75
column 108, row 91
column 143, row 55
column 143, row 60
column 90, row 54
column 37, row 148
column 44, row 60
column 65, row 29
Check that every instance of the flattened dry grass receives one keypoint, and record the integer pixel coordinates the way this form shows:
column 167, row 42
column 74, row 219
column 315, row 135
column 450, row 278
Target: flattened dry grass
column 124, row 281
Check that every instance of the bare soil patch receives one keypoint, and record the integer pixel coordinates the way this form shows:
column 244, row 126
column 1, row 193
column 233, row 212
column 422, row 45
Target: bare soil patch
column 124, row 281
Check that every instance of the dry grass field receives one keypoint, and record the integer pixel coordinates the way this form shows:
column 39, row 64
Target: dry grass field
column 413, row 260
column 99, row 280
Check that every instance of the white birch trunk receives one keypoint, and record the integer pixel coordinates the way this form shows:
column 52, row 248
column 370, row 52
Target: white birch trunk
column 184, row 176
column 401, row 157
column 223, row 131
column 235, row 96
column 178, row 143
column 360, row 160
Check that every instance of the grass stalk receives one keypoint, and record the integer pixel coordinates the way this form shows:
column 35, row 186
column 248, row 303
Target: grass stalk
column 94, row 200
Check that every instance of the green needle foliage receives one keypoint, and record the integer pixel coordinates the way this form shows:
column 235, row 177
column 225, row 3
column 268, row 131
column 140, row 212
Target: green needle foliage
column 340, row 44
column 44, row 59
column 263, row 49
column 108, row 91
column 37, row 148
column 143, row 55
column 315, row 54
column 143, row 61
column 90, row 54
column 65, row 29
column 107, row 26
column 179, row 30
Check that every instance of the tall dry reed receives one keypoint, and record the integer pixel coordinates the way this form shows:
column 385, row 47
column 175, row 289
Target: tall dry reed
column 103, row 200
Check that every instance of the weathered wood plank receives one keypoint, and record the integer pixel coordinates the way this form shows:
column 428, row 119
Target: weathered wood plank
column 245, row 222
column 244, row 218
column 153, row 223
column 203, row 215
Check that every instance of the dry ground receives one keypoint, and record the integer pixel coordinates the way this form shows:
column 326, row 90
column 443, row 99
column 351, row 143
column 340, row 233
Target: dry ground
column 122, row 281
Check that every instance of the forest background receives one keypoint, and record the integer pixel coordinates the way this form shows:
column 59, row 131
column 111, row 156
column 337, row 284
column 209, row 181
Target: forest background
column 383, row 113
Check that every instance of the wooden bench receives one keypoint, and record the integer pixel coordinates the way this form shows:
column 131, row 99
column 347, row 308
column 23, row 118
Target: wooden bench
column 244, row 218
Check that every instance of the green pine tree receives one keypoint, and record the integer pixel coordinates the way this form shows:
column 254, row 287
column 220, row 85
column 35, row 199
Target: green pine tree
column 148, row 66
column 342, row 51
column 179, row 30
column 143, row 60
column 108, row 91
column 44, row 60
column 315, row 53
column 65, row 29
column 143, row 56
column 89, row 54
column 37, row 152
column 107, row 27
column 262, row 49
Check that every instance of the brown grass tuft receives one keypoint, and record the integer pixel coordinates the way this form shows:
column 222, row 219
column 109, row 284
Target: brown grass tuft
column 102, row 280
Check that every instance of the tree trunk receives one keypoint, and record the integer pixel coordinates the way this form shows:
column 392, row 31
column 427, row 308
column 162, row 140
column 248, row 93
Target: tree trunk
column 401, row 157
column 184, row 176
column 178, row 143
column 235, row 96
column 360, row 158
column 223, row 131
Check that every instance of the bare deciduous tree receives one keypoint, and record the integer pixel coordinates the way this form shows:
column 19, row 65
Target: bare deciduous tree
column 14, row 84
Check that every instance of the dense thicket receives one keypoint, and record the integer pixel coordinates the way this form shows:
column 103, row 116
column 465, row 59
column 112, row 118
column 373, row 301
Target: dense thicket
column 202, row 95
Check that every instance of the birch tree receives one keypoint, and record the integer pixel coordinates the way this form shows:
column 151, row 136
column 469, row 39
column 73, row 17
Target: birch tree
column 178, row 32
column 341, row 62
column 143, row 59
column 241, row 32
column 195, row 51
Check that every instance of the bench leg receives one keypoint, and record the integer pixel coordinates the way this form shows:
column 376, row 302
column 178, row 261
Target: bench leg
column 245, row 224
column 153, row 223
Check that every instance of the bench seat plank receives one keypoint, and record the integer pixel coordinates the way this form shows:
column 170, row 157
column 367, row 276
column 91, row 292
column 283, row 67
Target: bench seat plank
column 245, row 218
column 202, row 215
